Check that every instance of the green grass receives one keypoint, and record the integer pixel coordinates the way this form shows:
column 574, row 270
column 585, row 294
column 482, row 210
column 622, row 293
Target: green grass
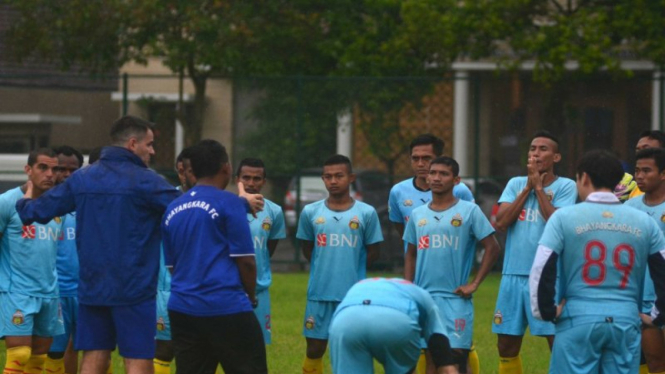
column 286, row 353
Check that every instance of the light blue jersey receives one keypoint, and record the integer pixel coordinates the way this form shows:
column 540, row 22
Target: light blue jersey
column 27, row 253
column 446, row 245
column 339, row 258
column 67, row 261
column 268, row 225
column 657, row 212
column 164, row 280
column 523, row 234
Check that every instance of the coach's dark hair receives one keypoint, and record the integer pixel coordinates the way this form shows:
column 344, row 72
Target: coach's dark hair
column 656, row 154
column 95, row 155
column 602, row 167
column 32, row 156
column 253, row 163
column 548, row 135
column 128, row 127
column 426, row 139
column 339, row 160
column 449, row 161
column 69, row 151
column 654, row 135
column 207, row 158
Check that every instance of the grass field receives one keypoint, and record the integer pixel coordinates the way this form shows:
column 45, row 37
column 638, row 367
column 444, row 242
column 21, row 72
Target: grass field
column 286, row 353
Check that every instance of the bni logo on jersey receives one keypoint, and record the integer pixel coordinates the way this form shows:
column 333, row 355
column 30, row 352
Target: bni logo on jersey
column 28, row 232
column 423, row 242
column 321, row 240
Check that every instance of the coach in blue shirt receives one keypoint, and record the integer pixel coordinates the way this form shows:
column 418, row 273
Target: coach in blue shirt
column 119, row 203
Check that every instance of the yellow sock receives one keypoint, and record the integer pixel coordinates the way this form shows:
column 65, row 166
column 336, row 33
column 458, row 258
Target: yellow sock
column 35, row 364
column 54, row 365
column 161, row 367
column 312, row 366
column 510, row 365
column 17, row 357
column 644, row 369
column 474, row 362
column 421, row 368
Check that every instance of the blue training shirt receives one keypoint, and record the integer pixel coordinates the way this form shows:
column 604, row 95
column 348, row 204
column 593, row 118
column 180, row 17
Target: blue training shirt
column 446, row 245
column 67, row 262
column 339, row 258
column 523, row 234
column 268, row 225
column 27, row 252
column 202, row 231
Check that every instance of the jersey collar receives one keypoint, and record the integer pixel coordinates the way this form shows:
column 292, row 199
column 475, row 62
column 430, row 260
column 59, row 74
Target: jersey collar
column 602, row 197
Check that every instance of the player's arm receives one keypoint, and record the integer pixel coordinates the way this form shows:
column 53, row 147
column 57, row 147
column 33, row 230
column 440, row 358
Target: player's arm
column 399, row 227
column 509, row 212
column 657, row 270
column 247, row 269
column 254, row 201
column 542, row 283
column 307, row 247
column 410, row 262
column 544, row 203
column 56, row 202
column 492, row 250
column 372, row 253
column 272, row 246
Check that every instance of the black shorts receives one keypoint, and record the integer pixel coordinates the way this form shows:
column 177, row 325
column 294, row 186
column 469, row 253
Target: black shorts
column 234, row 341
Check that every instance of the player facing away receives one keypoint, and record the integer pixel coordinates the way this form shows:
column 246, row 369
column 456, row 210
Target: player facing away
column 526, row 205
column 207, row 242
column 267, row 228
column 29, row 304
column 62, row 358
column 385, row 319
column 441, row 239
column 602, row 249
column 650, row 177
column 340, row 237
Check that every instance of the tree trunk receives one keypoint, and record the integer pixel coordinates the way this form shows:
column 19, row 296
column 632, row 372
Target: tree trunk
column 194, row 128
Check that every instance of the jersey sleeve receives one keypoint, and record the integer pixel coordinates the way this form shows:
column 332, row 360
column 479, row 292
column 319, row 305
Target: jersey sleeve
column 553, row 234
column 394, row 213
column 6, row 209
column 161, row 194
column 372, row 233
column 235, row 222
column 462, row 192
column 305, row 229
column 410, row 232
column 56, row 202
column 509, row 193
column 277, row 231
column 481, row 226
column 656, row 238
column 566, row 196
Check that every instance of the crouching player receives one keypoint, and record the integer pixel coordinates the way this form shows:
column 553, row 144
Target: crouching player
column 385, row 319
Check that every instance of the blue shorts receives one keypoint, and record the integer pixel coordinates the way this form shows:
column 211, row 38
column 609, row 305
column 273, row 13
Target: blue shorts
column 513, row 309
column 592, row 348
column 262, row 313
column 131, row 327
column 456, row 315
column 318, row 315
column 163, row 322
column 23, row 315
column 70, row 311
column 360, row 333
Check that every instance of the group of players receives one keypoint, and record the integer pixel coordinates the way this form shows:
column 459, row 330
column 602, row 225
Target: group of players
column 213, row 274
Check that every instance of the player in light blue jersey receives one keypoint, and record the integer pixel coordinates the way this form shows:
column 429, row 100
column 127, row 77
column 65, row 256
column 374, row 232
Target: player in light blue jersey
column 29, row 305
column 650, row 177
column 62, row 358
column 267, row 228
column 340, row 236
column 602, row 249
column 441, row 239
column 414, row 192
column 526, row 205
column 385, row 319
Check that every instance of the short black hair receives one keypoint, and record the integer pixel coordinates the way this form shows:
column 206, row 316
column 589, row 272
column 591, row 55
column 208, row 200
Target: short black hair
column 69, row 151
column 449, row 161
column 339, row 160
column 251, row 162
column 207, row 158
column 656, row 154
column 94, row 155
column 426, row 139
column 185, row 154
column 603, row 168
column 655, row 135
column 32, row 156
column 129, row 127
column 548, row 135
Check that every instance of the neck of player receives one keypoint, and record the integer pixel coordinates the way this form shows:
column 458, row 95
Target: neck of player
column 342, row 201
column 422, row 183
column 549, row 177
column 655, row 197
column 442, row 200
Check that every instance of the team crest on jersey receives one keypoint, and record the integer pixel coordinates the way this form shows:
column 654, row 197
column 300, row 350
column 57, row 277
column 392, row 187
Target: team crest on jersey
column 550, row 195
column 608, row 215
column 161, row 325
column 422, row 222
column 498, row 317
column 456, row 221
column 267, row 224
column 320, row 221
column 662, row 217
column 423, row 242
column 408, row 202
column 354, row 224
column 18, row 318
column 28, row 232
column 309, row 323
column 57, row 220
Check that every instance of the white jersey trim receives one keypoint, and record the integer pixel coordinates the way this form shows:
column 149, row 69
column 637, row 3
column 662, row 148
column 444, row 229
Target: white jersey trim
column 602, row 197
column 542, row 256
column 244, row 255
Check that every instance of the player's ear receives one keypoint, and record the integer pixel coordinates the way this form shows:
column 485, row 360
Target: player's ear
column 457, row 179
column 557, row 157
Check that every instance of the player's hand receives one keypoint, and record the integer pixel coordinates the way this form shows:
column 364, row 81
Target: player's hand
column 534, row 178
column 466, row 290
column 559, row 308
column 255, row 200
column 647, row 321
column 28, row 190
